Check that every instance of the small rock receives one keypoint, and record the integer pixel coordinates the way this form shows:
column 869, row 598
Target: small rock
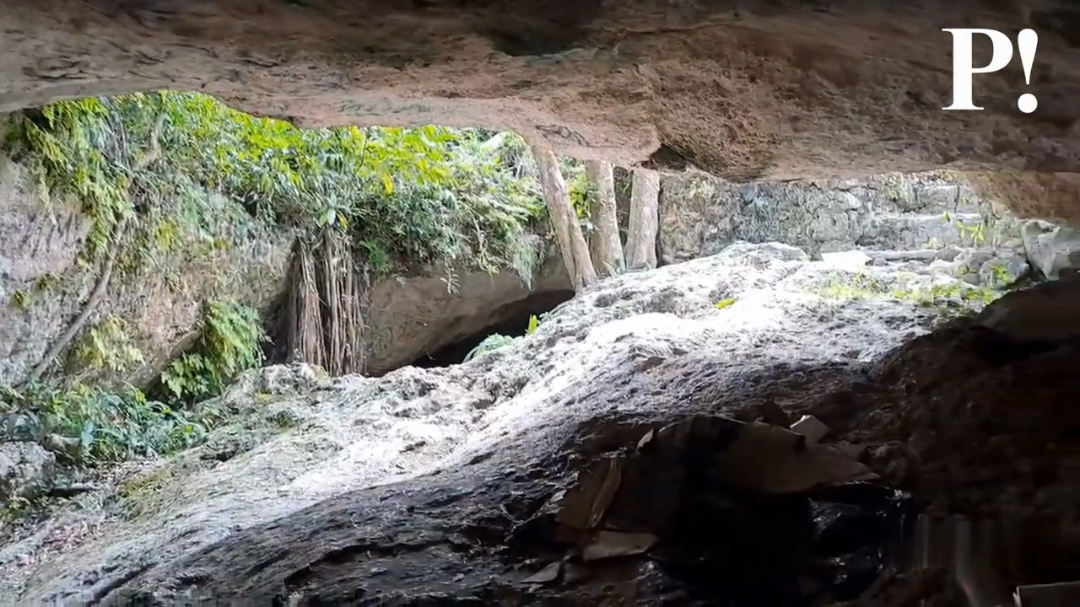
column 26, row 470
column 851, row 261
column 948, row 253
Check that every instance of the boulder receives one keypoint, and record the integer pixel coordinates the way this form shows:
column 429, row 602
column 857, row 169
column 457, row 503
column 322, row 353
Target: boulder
column 1051, row 249
column 1046, row 312
column 417, row 317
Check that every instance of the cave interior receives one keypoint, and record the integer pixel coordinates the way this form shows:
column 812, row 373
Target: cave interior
column 511, row 319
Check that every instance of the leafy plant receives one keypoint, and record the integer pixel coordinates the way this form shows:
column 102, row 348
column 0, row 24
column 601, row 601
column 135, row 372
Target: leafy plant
column 21, row 299
column 725, row 303
column 112, row 426
column 107, row 345
column 230, row 341
column 497, row 341
column 976, row 233
column 490, row 344
column 582, row 194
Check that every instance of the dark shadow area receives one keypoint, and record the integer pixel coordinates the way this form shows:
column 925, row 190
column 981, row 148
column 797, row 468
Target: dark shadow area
column 511, row 320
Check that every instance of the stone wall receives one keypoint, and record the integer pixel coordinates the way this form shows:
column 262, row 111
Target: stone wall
column 700, row 215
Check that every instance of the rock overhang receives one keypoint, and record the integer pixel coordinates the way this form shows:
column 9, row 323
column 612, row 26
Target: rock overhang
column 744, row 89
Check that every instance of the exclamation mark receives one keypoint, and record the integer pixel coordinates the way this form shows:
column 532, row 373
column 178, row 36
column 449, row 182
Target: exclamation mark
column 1027, row 41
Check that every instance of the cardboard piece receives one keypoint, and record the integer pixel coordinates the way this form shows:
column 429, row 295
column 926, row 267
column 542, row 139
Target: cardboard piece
column 776, row 460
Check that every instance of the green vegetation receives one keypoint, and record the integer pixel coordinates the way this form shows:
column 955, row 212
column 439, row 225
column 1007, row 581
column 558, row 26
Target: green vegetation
column 497, row 341
column 404, row 196
column 108, row 345
column 106, row 426
column 169, row 178
column 727, row 302
column 955, row 296
column 581, row 190
column 230, row 341
column 976, row 233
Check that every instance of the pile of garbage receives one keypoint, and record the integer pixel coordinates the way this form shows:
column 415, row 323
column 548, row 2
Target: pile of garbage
column 743, row 513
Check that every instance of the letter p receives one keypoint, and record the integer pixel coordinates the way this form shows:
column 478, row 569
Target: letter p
column 962, row 60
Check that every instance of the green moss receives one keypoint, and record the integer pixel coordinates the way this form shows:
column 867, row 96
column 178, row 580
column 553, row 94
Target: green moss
column 150, row 481
column 946, row 298
column 24, row 299
column 46, row 282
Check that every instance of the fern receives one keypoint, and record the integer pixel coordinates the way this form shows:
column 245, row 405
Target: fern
column 490, row 344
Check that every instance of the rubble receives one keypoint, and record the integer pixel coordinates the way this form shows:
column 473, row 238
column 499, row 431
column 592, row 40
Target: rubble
column 772, row 516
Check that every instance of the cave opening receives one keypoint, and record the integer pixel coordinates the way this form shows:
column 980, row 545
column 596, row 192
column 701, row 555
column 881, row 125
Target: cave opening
column 511, row 320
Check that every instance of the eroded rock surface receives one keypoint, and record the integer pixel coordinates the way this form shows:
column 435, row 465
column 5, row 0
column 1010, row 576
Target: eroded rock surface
column 44, row 287
column 411, row 317
column 418, row 481
column 700, row 215
column 741, row 88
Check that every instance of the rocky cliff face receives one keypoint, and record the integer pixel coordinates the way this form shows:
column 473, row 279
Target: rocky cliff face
column 701, row 215
column 141, row 323
column 419, row 315
column 919, row 215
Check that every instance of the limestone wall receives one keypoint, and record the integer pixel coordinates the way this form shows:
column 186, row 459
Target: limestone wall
column 700, row 215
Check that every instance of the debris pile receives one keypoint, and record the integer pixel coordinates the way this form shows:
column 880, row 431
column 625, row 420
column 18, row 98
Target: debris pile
column 744, row 513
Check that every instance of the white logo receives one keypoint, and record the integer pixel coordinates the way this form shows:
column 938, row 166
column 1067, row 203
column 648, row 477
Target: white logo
column 963, row 70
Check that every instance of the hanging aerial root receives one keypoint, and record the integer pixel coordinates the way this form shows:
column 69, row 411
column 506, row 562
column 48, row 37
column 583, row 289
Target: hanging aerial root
column 324, row 322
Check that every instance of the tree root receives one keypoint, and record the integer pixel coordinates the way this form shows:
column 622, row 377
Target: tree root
column 77, row 325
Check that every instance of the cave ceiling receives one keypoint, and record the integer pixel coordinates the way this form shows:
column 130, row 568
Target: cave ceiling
column 744, row 89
